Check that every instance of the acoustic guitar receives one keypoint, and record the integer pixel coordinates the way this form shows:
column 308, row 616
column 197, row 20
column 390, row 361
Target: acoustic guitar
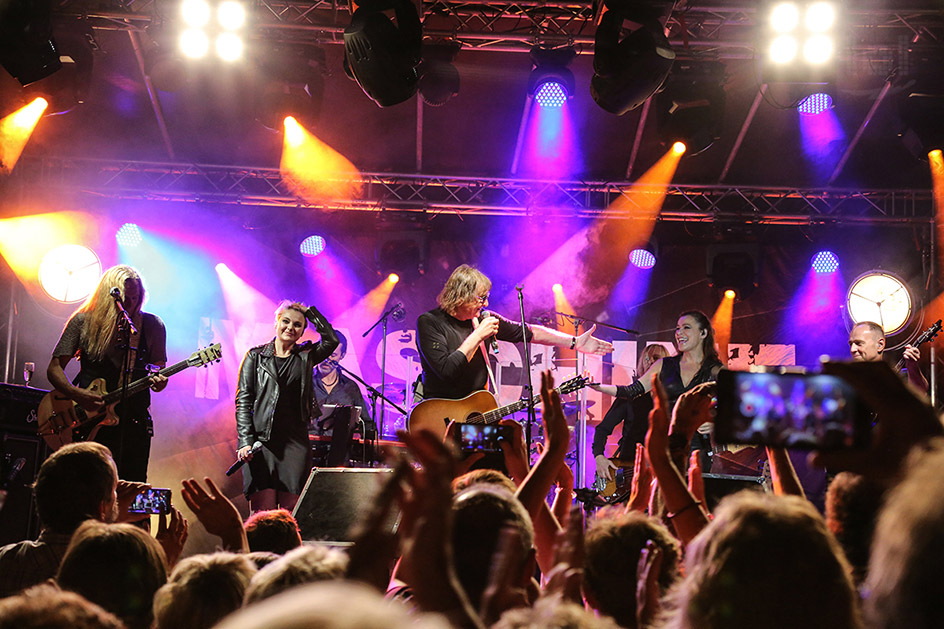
column 60, row 420
column 479, row 408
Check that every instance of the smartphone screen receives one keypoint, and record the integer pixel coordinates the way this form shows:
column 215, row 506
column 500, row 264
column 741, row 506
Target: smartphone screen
column 151, row 501
column 791, row 410
column 482, row 437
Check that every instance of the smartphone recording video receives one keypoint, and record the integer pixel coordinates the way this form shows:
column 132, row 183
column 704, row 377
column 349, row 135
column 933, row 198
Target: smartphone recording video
column 790, row 410
column 482, row 437
column 154, row 501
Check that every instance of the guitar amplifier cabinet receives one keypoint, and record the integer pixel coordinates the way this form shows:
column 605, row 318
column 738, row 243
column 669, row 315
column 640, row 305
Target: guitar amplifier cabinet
column 334, row 499
column 18, row 406
column 20, row 458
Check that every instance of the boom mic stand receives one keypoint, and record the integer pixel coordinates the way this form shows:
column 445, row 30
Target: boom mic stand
column 527, row 370
column 374, row 394
column 398, row 313
column 581, row 428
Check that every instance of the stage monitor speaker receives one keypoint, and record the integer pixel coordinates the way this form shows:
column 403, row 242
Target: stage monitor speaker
column 717, row 486
column 334, row 499
column 20, row 458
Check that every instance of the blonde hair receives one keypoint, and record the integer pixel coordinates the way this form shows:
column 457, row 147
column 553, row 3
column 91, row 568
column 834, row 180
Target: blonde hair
column 287, row 304
column 461, row 288
column 101, row 316
column 650, row 352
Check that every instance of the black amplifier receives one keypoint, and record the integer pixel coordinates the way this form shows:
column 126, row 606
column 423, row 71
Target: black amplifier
column 18, row 406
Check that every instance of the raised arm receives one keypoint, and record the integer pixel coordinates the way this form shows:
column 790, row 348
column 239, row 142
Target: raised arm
column 446, row 364
column 329, row 338
column 586, row 343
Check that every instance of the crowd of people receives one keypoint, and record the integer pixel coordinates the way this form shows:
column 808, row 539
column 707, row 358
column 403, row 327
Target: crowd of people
column 481, row 549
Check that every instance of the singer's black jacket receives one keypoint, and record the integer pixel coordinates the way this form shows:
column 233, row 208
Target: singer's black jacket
column 446, row 372
column 258, row 391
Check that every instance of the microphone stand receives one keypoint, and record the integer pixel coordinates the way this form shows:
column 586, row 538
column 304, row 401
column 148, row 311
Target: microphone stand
column 125, row 331
column 527, row 369
column 582, row 396
column 382, row 321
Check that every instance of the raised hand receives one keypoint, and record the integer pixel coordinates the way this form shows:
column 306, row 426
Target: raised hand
column 692, row 410
column 218, row 515
column 641, row 486
column 589, row 344
column 172, row 536
column 127, row 491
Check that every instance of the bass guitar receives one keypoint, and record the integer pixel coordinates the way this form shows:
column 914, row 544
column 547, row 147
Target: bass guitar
column 60, row 420
column 479, row 408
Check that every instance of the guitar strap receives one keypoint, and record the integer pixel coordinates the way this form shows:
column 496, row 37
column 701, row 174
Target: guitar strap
column 488, row 367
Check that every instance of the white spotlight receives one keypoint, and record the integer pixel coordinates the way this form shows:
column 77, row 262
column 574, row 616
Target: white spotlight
column 196, row 13
column 820, row 17
column 784, row 17
column 231, row 15
column 229, row 46
column 783, row 49
column 818, row 49
column 194, row 43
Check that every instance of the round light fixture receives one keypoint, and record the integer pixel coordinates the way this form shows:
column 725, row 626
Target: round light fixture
column 882, row 298
column 69, row 273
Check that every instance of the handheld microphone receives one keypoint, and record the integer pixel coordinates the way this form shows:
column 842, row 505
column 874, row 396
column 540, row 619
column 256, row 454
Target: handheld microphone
column 240, row 462
column 116, row 294
column 492, row 340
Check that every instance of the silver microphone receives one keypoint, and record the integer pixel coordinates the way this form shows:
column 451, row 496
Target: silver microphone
column 399, row 312
column 492, row 340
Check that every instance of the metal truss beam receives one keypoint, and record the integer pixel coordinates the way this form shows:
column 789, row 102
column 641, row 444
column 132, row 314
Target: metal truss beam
column 265, row 188
column 516, row 25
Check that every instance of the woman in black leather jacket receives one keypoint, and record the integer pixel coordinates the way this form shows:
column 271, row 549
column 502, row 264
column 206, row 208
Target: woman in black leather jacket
column 274, row 407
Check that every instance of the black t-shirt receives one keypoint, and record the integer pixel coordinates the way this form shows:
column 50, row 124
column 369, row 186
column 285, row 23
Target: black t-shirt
column 446, row 371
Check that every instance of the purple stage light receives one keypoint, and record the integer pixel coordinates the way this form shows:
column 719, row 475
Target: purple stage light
column 825, row 262
column 642, row 259
column 815, row 104
column 128, row 235
column 312, row 246
column 551, row 94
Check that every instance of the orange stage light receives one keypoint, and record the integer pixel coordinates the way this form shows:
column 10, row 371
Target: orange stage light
column 721, row 322
column 314, row 170
column 557, row 288
column 15, row 132
column 393, row 278
column 679, row 147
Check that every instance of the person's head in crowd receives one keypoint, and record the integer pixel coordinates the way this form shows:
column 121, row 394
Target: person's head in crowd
column 904, row 582
column 118, row 566
column 486, row 476
column 202, row 590
column 47, row 607
column 274, row 531
column 614, row 540
column 77, row 482
column 853, row 503
column 262, row 558
column 553, row 612
column 764, row 561
column 480, row 513
column 649, row 355
column 867, row 341
column 308, row 564
column 330, row 605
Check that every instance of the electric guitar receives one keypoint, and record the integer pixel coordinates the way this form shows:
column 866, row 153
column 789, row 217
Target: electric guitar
column 479, row 408
column 927, row 335
column 60, row 420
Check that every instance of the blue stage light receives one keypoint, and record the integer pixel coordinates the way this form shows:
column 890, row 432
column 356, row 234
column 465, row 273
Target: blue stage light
column 128, row 235
column 641, row 258
column 815, row 104
column 312, row 246
column 551, row 94
column 825, row 262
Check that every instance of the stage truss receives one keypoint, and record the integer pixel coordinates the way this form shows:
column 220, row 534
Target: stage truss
column 483, row 196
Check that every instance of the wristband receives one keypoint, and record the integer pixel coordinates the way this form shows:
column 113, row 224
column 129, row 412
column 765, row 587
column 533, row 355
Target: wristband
column 693, row 503
column 632, row 391
column 573, row 342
